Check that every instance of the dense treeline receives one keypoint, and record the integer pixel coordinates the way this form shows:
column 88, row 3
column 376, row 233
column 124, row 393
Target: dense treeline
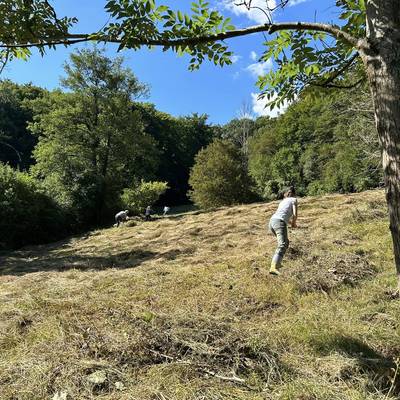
column 73, row 156
column 27, row 212
column 321, row 144
column 178, row 142
column 81, row 147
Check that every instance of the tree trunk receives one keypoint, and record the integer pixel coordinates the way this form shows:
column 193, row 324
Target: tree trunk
column 382, row 61
column 103, row 176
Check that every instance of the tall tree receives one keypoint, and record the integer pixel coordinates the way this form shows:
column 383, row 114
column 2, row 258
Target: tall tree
column 178, row 141
column 240, row 129
column 368, row 42
column 91, row 143
column 218, row 177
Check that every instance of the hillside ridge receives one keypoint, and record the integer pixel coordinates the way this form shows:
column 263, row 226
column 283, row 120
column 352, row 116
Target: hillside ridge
column 191, row 236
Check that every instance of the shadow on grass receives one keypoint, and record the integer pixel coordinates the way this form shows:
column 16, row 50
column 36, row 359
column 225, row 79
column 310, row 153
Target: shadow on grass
column 380, row 370
column 21, row 263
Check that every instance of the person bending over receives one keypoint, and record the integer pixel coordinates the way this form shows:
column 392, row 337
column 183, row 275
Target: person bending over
column 287, row 210
column 148, row 213
column 121, row 217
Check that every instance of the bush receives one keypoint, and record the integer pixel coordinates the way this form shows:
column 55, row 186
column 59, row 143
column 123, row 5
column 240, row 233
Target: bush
column 27, row 214
column 137, row 198
column 219, row 176
column 273, row 189
column 316, row 188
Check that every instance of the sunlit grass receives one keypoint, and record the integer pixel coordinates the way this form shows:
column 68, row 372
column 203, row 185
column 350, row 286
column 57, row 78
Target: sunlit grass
column 183, row 308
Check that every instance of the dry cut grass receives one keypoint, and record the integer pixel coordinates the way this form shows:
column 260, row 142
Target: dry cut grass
column 183, row 308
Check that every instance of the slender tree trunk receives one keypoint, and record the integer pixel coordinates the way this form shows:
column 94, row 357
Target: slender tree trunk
column 103, row 175
column 383, row 68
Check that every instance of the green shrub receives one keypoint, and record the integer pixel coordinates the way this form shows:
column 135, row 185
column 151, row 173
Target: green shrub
column 316, row 188
column 137, row 198
column 27, row 214
column 219, row 176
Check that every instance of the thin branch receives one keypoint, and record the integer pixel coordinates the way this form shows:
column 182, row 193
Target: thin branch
column 13, row 148
column 359, row 110
column 337, row 86
column 247, row 4
column 341, row 70
column 232, row 378
column 54, row 14
column 5, row 60
column 269, row 28
column 203, row 368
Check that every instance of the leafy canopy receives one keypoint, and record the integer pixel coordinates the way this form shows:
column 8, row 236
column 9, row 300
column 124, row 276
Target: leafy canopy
column 309, row 57
column 139, row 196
column 219, row 176
column 305, row 53
column 91, row 143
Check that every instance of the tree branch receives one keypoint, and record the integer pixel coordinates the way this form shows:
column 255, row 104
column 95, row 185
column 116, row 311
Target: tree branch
column 269, row 28
column 328, row 83
column 5, row 60
column 13, row 148
column 340, row 71
column 337, row 86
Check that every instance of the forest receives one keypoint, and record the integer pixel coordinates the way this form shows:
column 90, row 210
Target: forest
column 72, row 157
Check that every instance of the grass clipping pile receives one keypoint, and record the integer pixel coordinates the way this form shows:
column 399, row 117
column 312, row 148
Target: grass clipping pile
column 326, row 272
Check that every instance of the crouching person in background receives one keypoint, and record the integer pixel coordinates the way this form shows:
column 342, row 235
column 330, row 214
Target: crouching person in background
column 147, row 213
column 287, row 210
column 121, row 217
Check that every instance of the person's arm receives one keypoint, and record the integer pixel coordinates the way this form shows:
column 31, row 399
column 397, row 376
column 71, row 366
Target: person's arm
column 295, row 214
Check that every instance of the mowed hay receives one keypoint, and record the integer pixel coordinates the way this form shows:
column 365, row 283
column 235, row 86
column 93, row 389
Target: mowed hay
column 329, row 271
column 183, row 308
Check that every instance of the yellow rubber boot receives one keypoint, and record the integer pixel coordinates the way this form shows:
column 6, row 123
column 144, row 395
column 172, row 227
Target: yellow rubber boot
column 274, row 268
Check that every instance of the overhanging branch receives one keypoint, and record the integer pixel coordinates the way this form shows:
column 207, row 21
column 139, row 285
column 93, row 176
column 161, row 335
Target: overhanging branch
column 191, row 41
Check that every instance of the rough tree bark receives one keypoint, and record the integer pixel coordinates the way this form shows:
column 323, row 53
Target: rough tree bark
column 382, row 62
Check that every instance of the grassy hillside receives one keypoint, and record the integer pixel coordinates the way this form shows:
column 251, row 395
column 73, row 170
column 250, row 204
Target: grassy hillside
column 183, row 308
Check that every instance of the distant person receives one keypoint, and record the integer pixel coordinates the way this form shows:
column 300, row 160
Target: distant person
column 166, row 210
column 121, row 217
column 287, row 210
column 148, row 213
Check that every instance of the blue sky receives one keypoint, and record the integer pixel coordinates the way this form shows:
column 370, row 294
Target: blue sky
column 218, row 92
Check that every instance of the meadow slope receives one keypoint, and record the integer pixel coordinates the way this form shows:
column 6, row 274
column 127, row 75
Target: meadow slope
column 183, row 308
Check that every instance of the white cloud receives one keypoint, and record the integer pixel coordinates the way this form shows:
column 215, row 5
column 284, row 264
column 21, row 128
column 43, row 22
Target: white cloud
column 253, row 55
column 255, row 13
column 293, row 3
column 260, row 107
column 235, row 59
column 235, row 75
column 258, row 69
